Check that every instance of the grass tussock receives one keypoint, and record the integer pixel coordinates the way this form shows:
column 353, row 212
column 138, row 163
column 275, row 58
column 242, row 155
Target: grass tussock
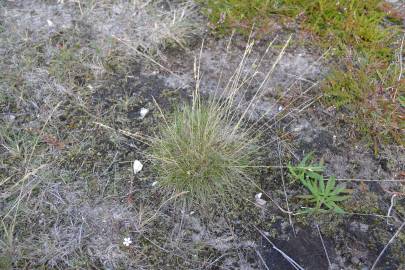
column 203, row 150
column 208, row 148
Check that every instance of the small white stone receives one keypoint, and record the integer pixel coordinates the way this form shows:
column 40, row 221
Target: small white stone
column 50, row 23
column 143, row 112
column 137, row 166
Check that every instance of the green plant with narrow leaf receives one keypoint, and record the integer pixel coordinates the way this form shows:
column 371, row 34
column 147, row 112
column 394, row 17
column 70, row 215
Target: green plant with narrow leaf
column 324, row 194
column 305, row 168
column 402, row 100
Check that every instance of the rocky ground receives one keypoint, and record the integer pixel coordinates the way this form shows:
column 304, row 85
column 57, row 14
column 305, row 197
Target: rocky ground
column 74, row 77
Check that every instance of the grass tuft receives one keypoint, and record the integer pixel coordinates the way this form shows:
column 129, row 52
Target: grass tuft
column 207, row 148
column 201, row 150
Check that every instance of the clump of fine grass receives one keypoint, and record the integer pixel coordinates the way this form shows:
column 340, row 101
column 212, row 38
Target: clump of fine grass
column 207, row 148
column 204, row 151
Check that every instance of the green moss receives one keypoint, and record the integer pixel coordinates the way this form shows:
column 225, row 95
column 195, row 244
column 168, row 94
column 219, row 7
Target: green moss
column 68, row 66
column 345, row 87
column 371, row 94
column 6, row 262
column 365, row 203
column 356, row 26
column 355, row 23
column 226, row 15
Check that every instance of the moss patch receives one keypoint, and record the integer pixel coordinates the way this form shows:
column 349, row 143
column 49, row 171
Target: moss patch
column 365, row 79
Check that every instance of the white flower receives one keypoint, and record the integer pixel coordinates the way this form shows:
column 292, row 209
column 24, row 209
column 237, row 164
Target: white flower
column 280, row 108
column 50, row 23
column 154, row 183
column 137, row 166
column 259, row 199
column 127, row 241
column 143, row 112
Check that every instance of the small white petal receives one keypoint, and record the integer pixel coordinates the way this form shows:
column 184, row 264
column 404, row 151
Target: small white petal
column 143, row 112
column 261, row 202
column 137, row 166
column 127, row 241
column 154, row 183
column 259, row 199
column 50, row 23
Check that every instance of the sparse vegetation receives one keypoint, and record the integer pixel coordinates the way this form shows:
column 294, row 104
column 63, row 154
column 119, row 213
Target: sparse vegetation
column 88, row 87
column 69, row 66
column 372, row 95
column 363, row 82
